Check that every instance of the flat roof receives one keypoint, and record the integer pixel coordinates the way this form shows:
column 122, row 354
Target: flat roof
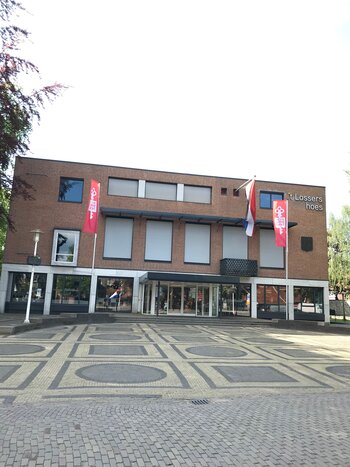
column 120, row 212
column 183, row 277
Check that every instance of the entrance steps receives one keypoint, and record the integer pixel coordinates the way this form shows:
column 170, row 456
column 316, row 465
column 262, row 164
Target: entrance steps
column 190, row 320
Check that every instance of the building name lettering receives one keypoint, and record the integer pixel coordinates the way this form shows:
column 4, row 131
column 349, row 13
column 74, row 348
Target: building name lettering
column 312, row 203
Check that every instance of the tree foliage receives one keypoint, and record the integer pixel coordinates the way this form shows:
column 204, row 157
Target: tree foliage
column 19, row 109
column 339, row 252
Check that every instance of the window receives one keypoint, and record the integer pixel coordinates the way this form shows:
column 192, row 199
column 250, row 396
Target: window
column 271, row 256
column 197, row 194
column 197, row 243
column 156, row 190
column 71, row 190
column 308, row 299
column 71, row 289
column 123, row 187
column 20, row 287
column 271, row 298
column 120, row 287
column 224, row 191
column 158, row 241
column 118, row 238
column 235, row 243
column 65, row 247
column 267, row 198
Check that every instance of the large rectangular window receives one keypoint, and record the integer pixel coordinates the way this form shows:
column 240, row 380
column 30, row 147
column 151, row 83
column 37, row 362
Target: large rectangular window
column 268, row 197
column 197, row 243
column 197, row 194
column 158, row 241
column 308, row 299
column 65, row 247
column 123, row 187
column 20, row 287
column 71, row 190
column 71, row 289
column 235, row 243
column 157, row 190
column 271, row 256
column 271, row 298
column 114, row 294
column 118, row 238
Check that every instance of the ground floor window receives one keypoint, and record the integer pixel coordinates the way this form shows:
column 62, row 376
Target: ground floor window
column 271, row 298
column 235, row 299
column 71, row 289
column 114, row 294
column 308, row 299
column 20, row 287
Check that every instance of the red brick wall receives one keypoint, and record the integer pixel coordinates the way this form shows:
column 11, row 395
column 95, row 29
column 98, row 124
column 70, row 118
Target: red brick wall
column 46, row 213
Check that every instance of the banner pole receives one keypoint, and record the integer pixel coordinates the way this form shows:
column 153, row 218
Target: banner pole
column 93, row 254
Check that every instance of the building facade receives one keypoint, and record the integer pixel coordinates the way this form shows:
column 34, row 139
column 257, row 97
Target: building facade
column 167, row 243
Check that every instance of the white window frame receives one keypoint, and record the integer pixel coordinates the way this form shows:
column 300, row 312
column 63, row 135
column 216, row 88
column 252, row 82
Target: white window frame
column 58, row 232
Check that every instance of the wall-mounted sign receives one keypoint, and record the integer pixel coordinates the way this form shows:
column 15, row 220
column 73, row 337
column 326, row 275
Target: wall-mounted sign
column 313, row 203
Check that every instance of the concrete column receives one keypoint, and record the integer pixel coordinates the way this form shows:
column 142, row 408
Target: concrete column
column 92, row 298
column 3, row 288
column 253, row 301
column 48, row 293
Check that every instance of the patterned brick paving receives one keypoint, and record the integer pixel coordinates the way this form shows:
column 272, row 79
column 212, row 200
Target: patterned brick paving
column 147, row 394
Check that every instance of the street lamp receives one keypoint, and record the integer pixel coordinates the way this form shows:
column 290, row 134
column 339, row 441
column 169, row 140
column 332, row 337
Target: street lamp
column 32, row 260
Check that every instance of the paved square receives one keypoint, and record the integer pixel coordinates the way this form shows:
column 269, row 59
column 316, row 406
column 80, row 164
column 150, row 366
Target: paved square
column 174, row 395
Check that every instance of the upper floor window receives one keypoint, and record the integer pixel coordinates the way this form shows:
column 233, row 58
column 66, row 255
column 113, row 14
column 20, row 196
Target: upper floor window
column 268, row 197
column 157, row 190
column 118, row 238
column 123, row 187
column 65, row 247
column 158, row 241
column 197, row 243
column 71, row 190
column 197, row 194
column 271, row 256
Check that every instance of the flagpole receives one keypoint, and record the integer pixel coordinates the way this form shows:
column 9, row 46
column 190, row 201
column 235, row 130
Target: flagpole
column 93, row 254
column 245, row 183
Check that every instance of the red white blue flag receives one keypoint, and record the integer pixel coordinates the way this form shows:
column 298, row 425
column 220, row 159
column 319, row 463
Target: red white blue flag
column 280, row 221
column 91, row 217
column 249, row 222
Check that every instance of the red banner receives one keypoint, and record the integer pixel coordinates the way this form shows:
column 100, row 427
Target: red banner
column 280, row 221
column 91, row 217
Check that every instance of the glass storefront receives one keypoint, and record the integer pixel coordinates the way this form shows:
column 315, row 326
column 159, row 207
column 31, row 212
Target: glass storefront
column 271, row 301
column 196, row 299
column 71, row 290
column 114, row 294
column 308, row 300
column 235, row 299
column 19, row 292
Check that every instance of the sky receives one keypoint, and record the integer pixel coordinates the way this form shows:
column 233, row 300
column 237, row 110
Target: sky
column 227, row 88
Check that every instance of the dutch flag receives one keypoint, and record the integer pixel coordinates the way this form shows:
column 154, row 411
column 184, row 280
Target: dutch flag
column 251, row 208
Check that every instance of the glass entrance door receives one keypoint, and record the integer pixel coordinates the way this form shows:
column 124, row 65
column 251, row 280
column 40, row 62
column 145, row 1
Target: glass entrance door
column 174, row 299
column 203, row 300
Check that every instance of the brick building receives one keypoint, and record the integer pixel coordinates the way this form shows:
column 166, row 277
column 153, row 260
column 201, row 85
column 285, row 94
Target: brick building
column 167, row 243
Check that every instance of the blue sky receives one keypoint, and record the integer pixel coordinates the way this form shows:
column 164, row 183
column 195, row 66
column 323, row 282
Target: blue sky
column 226, row 88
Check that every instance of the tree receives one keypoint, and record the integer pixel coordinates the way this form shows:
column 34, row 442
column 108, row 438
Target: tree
column 339, row 253
column 19, row 109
